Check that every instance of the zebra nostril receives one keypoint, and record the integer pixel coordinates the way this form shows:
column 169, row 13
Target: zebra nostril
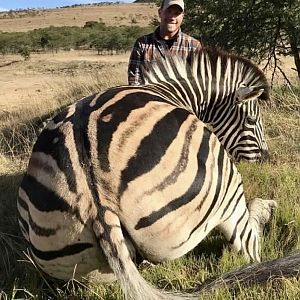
column 265, row 156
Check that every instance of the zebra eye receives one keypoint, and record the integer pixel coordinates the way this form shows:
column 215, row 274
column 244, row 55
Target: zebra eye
column 251, row 120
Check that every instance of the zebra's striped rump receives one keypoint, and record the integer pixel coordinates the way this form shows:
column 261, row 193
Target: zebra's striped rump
column 131, row 171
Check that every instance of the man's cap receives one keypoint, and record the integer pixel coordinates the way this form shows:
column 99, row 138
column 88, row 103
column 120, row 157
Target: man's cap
column 168, row 3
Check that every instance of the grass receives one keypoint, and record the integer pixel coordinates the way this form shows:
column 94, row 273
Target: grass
column 279, row 180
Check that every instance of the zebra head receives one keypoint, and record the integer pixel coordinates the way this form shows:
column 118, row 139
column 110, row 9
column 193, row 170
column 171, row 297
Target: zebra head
column 242, row 134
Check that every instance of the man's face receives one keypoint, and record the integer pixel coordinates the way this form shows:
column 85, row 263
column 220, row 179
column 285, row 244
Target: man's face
column 170, row 19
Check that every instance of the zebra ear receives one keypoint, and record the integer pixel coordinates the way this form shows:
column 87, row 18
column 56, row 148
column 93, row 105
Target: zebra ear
column 245, row 93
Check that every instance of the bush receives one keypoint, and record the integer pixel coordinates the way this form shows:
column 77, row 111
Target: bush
column 25, row 52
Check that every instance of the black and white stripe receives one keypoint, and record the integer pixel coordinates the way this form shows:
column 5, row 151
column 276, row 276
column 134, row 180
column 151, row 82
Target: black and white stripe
column 133, row 171
column 222, row 90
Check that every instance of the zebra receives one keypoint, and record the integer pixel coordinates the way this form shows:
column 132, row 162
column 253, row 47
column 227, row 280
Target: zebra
column 134, row 172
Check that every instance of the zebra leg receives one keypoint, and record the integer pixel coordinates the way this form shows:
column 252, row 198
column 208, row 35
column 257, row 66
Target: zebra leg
column 244, row 226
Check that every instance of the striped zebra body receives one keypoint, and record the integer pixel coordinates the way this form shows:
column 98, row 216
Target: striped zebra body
column 125, row 173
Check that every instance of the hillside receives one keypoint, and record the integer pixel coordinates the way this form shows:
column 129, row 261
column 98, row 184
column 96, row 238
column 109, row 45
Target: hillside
column 116, row 14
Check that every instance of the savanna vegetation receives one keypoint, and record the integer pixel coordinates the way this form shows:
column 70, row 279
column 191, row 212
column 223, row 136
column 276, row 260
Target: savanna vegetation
column 279, row 179
column 93, row 35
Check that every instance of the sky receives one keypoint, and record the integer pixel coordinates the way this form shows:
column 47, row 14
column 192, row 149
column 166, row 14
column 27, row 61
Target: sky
column 6, row 5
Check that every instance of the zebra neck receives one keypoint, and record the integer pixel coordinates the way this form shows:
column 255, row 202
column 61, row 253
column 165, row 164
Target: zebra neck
column 179, row 95
column 205, row 104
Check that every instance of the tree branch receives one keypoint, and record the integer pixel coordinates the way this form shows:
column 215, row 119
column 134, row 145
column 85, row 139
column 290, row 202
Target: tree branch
column 285, row 77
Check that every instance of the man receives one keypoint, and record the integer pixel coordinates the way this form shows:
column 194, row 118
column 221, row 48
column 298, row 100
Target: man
column 165, row 40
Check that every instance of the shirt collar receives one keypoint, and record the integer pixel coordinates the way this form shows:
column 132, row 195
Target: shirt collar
column 157, row 37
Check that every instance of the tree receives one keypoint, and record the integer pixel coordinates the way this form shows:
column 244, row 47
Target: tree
column 25, row 52
column 100, row 42
column 44, row 40
column 258, row 29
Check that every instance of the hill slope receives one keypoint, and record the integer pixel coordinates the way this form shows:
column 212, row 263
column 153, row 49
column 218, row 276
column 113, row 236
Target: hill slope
column 115, row 14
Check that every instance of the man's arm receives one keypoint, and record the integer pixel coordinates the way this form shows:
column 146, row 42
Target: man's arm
column 134, row 66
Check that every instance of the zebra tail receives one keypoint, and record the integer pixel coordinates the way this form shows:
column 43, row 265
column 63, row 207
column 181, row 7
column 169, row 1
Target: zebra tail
column 288, row 266
column 109, row 234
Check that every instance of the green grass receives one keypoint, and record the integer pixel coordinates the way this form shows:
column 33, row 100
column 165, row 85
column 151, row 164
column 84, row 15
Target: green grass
column 278, row 180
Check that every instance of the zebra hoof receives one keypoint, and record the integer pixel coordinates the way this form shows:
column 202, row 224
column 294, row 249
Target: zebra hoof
column 261, row 210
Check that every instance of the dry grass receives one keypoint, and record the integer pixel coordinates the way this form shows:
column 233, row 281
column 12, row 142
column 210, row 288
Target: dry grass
column 139, row 14
column 38, row 80
column 282, row 123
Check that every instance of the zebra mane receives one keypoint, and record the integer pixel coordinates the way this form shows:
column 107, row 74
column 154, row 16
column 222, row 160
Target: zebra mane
column 174, row 68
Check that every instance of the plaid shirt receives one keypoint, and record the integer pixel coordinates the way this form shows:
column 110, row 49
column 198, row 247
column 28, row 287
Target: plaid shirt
column 149, row 46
